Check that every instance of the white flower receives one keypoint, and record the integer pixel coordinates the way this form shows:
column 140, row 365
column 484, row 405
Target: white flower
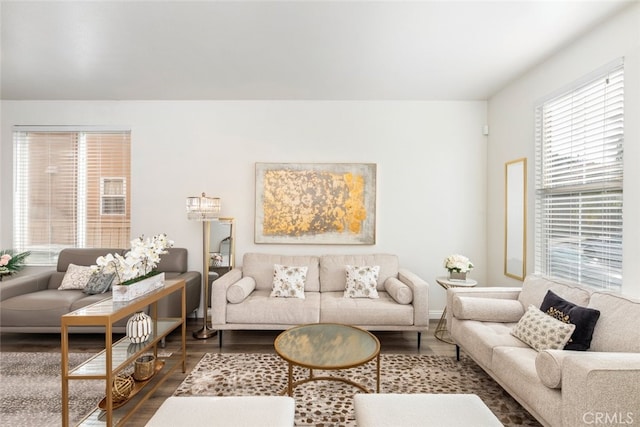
column 141, row 260
column 458, row 263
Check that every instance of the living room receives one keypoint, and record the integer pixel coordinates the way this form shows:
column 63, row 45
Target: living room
column 440, row 179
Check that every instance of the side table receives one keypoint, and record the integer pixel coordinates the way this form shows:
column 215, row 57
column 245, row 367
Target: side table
column 441, row 331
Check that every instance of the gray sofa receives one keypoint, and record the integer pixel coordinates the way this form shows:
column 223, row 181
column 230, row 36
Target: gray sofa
column 33, row 303
column 600, row 386
column 324, row 301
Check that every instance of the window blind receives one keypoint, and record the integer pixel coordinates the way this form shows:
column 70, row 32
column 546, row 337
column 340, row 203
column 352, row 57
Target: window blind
column 57, row 192
column 579, row 177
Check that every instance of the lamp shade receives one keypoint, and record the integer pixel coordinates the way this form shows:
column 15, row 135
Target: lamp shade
column 203, row 208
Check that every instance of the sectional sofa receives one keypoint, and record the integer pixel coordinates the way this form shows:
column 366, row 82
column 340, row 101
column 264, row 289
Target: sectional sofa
column 33, row 303
column 243, row 298
column 595, row 383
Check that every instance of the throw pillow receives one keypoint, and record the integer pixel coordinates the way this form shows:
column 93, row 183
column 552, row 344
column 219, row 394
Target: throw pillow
column 76, row 277
column 240, row 290
column 99, row 283
column 400, row 292
column 584, row 318
column 288, row 281
column 541, row 331
column 362, row 282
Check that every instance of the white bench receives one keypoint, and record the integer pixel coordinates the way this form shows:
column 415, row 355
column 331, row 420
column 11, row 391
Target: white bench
column 408, row 410
column 229, row 411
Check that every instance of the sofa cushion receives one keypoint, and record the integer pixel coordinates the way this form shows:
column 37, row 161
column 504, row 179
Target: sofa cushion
column 549, row 366
column 516, row 369
column 584, row 318
column 240, row 290
column 333, row 274
column 41, row 308
column 541, row 331
column 260, row 267
column 383, row 311
column 288, row 281
column 487, row 309
column 617, row 328
column 361, row 281
column 99, row 283
column 76, row 277
column 535, row 288
column 400, row 292
column 260, row 308
column 480, row 338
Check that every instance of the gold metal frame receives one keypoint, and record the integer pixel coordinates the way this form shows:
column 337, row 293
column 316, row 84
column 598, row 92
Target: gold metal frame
column 291, row 361
column 515, row 218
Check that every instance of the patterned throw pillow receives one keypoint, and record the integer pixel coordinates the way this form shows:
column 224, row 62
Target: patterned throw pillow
column 76, row 277
column 541, row 331
column 99, row 283
column 583, row 317
column 288, row 282
column 362, row 282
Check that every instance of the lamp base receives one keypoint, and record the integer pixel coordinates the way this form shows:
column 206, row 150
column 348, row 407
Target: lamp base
column 204, row 333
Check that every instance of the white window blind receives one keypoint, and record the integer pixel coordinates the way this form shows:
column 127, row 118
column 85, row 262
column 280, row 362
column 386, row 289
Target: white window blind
column 59, row 177
column 579, row 175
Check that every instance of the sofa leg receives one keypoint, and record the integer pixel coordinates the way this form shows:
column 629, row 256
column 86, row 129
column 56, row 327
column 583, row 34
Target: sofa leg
column 220, row 338
column 457, row 352
column 419, row 339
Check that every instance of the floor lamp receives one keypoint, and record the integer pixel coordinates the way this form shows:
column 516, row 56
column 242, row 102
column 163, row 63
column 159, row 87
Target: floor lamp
column 205, row 209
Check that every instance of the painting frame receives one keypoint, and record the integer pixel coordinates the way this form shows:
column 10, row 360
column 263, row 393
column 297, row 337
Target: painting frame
column 315, row 203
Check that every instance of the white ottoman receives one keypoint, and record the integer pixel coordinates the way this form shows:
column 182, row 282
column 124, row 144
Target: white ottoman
column 232, row 411
column 406, row 410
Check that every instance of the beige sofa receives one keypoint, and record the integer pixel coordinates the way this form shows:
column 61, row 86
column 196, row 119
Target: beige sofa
column 600, row 386
column 324, row 300
column 33, row 303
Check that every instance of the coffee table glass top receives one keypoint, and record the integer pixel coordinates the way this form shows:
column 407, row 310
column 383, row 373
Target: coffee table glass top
column 327, row 346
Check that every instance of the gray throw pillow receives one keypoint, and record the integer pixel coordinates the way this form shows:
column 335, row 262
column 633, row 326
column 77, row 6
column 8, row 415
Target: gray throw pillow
column 99, row 283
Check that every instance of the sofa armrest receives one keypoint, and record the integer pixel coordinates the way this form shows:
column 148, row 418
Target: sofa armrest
column 25, row 285
column 510, row 293
column 420, row 289
column 601, row 384
column 219, row 295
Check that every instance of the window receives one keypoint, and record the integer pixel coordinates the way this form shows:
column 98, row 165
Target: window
column 579, row 153
column 113, row 196
column 65, row 194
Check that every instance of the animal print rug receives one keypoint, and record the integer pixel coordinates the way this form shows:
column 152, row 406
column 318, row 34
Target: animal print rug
column 330, row 403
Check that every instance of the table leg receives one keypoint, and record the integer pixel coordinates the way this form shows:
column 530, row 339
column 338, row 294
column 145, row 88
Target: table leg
column 378, row 373
column 441, row 331
column 290, row 380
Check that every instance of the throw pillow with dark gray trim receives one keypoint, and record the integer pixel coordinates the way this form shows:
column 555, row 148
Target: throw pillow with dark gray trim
column 584, row 318
column 99, row 283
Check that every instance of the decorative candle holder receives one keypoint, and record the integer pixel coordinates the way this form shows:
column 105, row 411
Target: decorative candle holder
column 144, row 367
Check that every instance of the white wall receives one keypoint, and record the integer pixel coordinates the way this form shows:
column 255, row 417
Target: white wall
column 431, row 157
column 511, row 119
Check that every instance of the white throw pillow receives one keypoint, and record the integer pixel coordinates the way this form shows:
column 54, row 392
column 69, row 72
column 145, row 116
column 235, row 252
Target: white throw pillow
column 288, row 281
column 541, row 331
column 240, row 290
column 362, row 282
column 400, row 292
column 76, row 277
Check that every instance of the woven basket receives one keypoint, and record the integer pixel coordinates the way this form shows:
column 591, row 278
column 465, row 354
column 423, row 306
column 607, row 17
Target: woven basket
column 122, row 388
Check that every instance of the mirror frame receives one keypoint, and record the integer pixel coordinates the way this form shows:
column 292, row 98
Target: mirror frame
column 232, row 251
column 515, row 218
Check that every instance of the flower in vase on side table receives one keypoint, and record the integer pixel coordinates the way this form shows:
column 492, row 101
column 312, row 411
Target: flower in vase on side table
column 458, row 267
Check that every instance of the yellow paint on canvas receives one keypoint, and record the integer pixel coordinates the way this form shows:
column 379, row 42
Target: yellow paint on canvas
column 299, row 203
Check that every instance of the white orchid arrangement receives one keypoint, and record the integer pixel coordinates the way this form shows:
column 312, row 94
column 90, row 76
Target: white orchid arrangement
column 139, row 262
column 458, row 263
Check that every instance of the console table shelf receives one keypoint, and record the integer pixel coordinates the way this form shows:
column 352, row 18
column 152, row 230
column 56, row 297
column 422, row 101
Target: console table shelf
column 119, row 355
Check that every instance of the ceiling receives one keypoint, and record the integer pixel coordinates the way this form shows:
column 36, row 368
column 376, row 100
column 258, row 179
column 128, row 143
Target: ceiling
column 319, row 50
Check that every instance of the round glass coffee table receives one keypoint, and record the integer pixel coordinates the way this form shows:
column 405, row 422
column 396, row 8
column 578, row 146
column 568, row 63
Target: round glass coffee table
column 327, row 346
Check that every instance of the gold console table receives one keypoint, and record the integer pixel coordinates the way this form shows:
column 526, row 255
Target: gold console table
column 118, row 355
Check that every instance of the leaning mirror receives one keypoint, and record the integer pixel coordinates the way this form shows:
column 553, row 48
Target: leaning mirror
column 222, row 246
column 515, row 216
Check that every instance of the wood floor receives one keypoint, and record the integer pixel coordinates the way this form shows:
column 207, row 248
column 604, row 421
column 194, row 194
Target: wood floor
column 233, row 342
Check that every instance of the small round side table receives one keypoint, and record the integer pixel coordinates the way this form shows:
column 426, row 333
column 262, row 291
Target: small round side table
column 441, row 331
